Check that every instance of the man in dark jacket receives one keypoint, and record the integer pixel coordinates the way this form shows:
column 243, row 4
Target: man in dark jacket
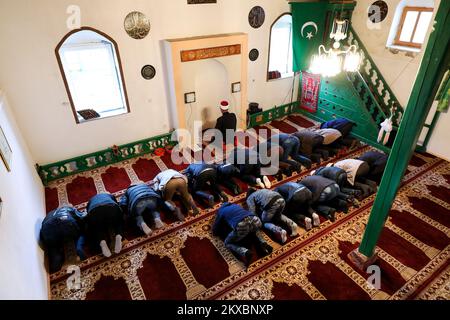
column 104, row 222
column 324, row 196
column 298, row 200
column 377, row 163
column 138, row 200
column 202, row 178
column 310, row 143
column 242, row 224
column 344, row 126
column 225, row 176
column 249, row 165
column 269, row 206
column 60, row 228
column 339, row 175
column 274, row 151
column 227, row 121
column 291, row 148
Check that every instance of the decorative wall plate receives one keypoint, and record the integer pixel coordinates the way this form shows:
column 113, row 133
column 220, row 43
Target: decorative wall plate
column 137, row 25
column 378, row 11
column 253, row 54
column 256, row 17
column 148, row 72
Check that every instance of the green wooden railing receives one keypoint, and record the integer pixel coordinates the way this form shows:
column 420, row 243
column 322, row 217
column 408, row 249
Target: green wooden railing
column 375, row 81
column 275, row 113
column 102, row 158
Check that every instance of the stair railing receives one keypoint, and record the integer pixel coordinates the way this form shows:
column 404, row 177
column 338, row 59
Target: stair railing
column 375, row 80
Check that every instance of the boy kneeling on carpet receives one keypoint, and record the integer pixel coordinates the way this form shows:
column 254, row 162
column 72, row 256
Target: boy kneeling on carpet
column 243, row 224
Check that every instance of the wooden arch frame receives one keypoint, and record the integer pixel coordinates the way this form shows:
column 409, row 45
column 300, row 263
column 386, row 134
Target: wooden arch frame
column 63, row 74
column 270, row 41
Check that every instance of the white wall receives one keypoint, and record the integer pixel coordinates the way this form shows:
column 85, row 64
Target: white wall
column 399, row 70
column 211, row 80
column 22, row 273
column 30, row 74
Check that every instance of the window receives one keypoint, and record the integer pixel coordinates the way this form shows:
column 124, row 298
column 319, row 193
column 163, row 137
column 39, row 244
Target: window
column 280, row 51
column 91, row 69
column 413, row 26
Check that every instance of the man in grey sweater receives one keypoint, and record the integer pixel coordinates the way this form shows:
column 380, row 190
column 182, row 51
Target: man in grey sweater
column 269, row 206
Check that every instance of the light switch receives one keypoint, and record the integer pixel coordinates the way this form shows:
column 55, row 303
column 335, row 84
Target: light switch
column 189, row 97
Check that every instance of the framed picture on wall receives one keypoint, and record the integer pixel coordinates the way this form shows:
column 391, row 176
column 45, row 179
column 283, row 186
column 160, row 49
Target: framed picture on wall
column 5, row 150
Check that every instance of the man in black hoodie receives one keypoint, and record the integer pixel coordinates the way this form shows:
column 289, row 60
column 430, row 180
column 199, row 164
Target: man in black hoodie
column 61, row 228
column 104, row 222
column 138, row 200
column 298, row 204
column 203, row 177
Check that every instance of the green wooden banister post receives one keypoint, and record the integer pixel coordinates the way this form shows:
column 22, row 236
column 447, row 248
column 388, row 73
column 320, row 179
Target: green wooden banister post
column 433, row 66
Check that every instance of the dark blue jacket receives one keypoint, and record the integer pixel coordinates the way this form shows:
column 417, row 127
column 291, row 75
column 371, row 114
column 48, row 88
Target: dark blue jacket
column 288, row 189
column 316, row 184
column 343, row 125
column 226, row 170
column 231, row 214
column 282, row 137
column 102, row 199
column 333, row 173
column 135, row 193
column 376, row 160
column 195, row 169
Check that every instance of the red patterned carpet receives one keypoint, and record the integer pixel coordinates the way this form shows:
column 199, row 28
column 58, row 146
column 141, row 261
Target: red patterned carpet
column 184, row 261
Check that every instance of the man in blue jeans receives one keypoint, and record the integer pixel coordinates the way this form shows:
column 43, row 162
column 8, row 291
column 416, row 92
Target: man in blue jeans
column 291, row 147
column 243, row 224
column 140, row 200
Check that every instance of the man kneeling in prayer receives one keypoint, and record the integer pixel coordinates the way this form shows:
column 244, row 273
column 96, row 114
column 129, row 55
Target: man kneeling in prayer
column 243, row 224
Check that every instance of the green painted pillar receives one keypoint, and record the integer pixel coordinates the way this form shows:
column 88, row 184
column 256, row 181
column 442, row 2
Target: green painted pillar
column 432, row 68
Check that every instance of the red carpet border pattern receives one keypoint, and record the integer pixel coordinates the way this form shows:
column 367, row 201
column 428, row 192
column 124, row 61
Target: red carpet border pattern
column 184, row 260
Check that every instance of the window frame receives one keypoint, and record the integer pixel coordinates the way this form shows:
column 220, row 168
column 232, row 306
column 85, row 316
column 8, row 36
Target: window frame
column 270, row 42
column 410, row 44
column 118, row 66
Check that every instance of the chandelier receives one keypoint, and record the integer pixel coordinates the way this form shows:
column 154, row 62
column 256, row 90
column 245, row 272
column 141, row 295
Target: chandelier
column 333, row 61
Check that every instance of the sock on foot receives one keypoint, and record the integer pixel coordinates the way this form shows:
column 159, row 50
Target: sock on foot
column 308, row 224
column 259, row 183
column 294, row 231
column 146, row 229
column 105, row 250
column 267, row 182
column 281, row 236
column 159, row 224
column 316, row 220
column 118, row 244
